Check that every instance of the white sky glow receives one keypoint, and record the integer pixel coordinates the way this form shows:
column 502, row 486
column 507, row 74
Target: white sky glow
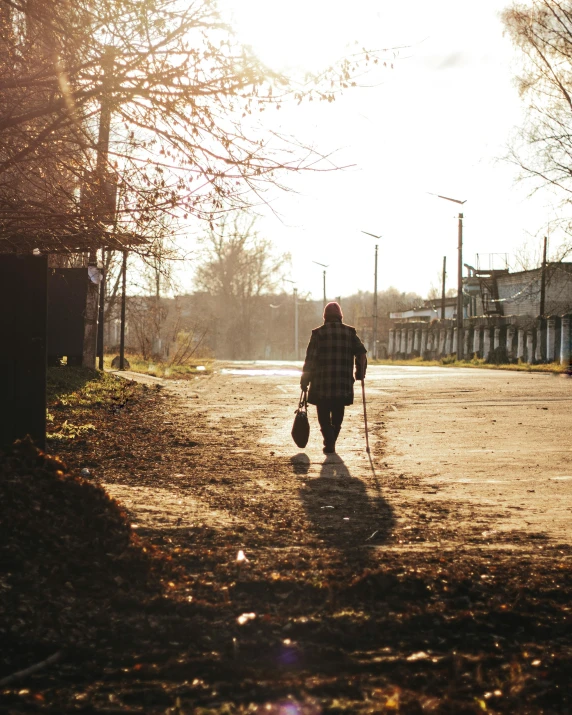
column 438, row 122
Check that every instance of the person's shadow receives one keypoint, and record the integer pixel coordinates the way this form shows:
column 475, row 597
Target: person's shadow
column 341, row 512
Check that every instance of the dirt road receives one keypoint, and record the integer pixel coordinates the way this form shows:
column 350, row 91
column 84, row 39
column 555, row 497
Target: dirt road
column 493, row 445
column 435, row 578
column 459, row 457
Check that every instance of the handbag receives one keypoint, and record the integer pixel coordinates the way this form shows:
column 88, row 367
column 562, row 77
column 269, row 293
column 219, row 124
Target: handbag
column 301, row 426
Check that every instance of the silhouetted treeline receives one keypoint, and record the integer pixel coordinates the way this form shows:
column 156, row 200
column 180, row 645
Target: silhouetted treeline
column 266, row 332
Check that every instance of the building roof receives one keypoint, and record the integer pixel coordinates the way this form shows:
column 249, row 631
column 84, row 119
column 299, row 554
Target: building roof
column 72, row 239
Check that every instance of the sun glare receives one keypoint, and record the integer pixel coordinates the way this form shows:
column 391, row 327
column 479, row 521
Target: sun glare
column 307, row 35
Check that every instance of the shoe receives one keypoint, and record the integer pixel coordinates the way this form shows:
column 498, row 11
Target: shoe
column 336, row 435
column 329, row 441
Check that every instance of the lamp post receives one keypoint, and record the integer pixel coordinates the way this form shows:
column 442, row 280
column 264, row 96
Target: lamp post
column 459, row 276
column 123, row 307
column 443, row 280
column 374, row 350
column 324, row 267
column 295, row 292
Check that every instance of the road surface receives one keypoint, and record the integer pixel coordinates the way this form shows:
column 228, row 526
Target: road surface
column 433, row 578
column 460, row 457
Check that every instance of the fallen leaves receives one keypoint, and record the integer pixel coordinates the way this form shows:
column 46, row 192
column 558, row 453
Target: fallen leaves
column 283, row 610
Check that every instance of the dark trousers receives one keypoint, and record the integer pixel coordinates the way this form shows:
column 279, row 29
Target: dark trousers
column 330, row 417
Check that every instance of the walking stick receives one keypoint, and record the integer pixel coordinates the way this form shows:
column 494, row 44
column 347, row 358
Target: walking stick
column 365, row 416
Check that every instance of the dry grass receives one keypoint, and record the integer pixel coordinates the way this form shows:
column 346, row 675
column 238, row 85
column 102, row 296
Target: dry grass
column 161, row 368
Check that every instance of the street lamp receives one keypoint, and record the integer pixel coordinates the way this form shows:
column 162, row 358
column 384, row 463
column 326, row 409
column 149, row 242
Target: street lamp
column 295, row 292
column 324, row 267
column 374, row 351
column 459, row 276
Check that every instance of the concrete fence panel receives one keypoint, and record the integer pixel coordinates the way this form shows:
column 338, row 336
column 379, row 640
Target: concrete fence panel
column 565, row 339
column 538, row 347
column 551, row 338
column 486, row 343
column 529, row 346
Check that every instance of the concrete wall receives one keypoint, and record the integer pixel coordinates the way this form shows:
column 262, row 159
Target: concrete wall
column 495, row 339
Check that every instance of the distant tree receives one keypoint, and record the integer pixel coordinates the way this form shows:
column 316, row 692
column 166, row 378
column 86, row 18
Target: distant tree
column 436, row 289
column 392, row 300
column 150, row 277
column 237, row 266
column 529, row 254
column 360, row 305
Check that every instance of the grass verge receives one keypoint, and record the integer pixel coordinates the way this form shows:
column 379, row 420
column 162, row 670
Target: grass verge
column 75, row 386
column 553, row 367
column 79, row 399
column 160, row 368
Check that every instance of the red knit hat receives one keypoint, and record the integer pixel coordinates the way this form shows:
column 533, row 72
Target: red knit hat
column 333, row 311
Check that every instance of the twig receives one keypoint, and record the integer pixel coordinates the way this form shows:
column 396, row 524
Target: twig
column 32, row 669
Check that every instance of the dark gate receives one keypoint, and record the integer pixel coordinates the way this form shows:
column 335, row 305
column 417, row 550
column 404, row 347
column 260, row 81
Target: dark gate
column 23, row 324
column 67, row 294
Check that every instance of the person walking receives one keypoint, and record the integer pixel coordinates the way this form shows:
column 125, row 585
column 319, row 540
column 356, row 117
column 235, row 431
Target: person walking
column 328, row 370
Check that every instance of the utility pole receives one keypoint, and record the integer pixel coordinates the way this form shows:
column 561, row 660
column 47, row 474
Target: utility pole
column 295, row 323
column 101, row 313
column 374, row 352
column 459, row 277
column 324, row 267
column 374, row 347
column 295, row 294
column 444, row 277
column 543, row 280
column 123, row 305
column 460, row 291
column 108, row 62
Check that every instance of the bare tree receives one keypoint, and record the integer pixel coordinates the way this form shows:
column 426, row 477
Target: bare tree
column 183, row 97
column 360, row 305
column 435, row 291
column 542, row 30
column 529, row 254
column 237, row 267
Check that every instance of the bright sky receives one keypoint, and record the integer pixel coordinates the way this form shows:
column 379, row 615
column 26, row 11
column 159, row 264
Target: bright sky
column 438, row 122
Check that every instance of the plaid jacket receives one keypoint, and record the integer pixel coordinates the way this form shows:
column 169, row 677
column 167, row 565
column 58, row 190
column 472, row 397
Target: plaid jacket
column 329, row 364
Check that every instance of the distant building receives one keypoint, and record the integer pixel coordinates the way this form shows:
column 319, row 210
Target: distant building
column 501, row 293
column 427, row 312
